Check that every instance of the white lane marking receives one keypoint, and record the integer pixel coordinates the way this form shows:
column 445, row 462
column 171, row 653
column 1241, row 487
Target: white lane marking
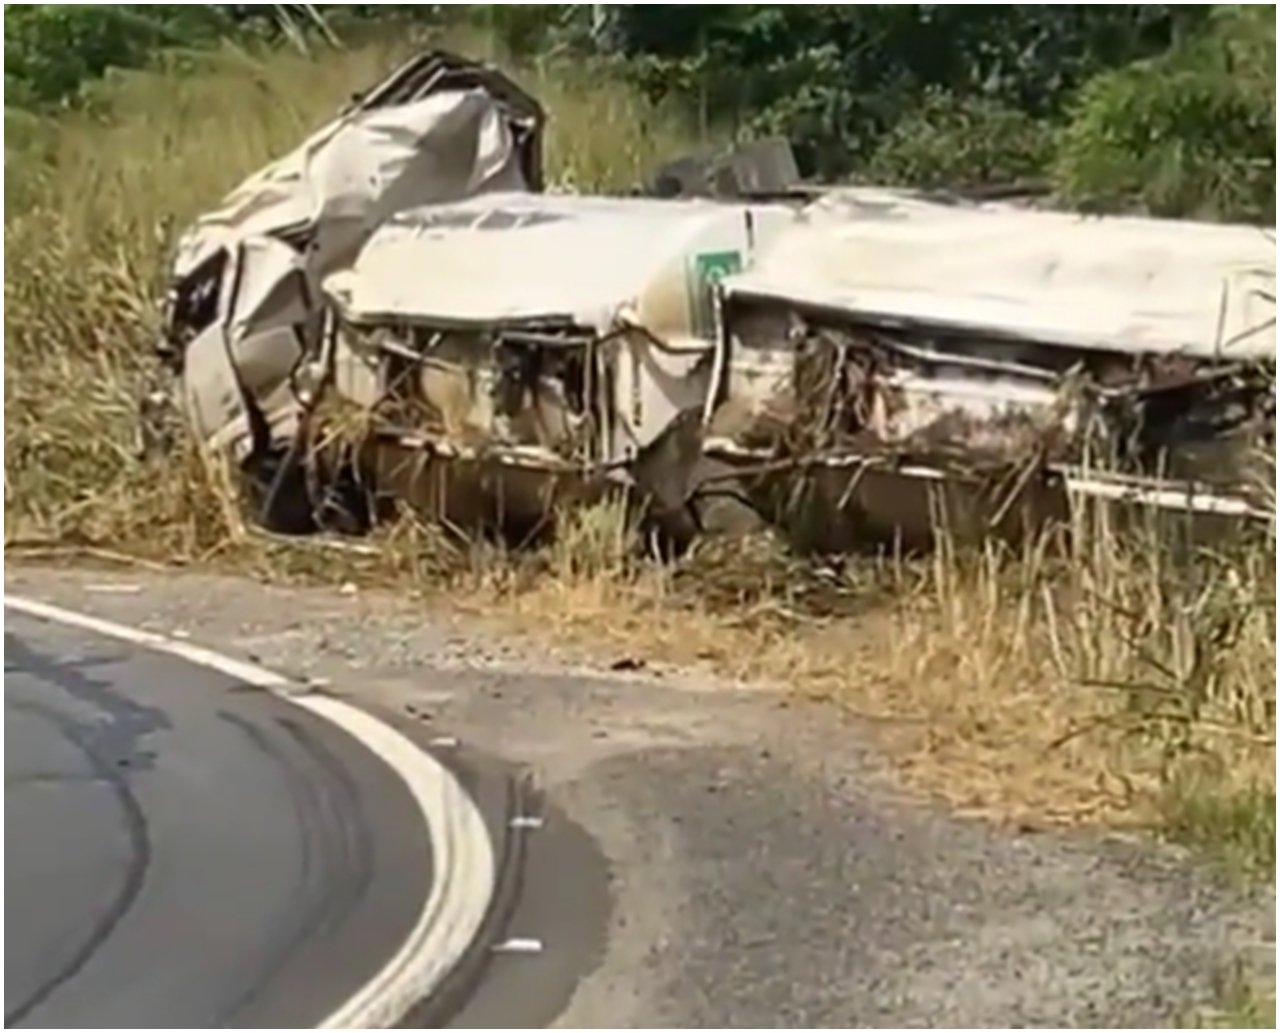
column 526, row 821
column 519, row 945
column 462, row 855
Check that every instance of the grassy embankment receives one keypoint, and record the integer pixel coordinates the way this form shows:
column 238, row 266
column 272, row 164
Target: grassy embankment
column 1108, row 680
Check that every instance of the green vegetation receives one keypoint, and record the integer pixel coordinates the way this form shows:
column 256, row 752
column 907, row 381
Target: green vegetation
column 1156, row 107
column 1191, row 132
column 1242, row 1002
column 949, row 141
column 51, row 51
column 1235, row 826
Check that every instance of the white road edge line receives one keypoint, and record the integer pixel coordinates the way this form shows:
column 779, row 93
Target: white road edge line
column 462, row 855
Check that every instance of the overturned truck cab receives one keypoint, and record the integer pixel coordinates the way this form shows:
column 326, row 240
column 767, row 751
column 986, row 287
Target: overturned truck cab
column 896, row 364
column 244, row 319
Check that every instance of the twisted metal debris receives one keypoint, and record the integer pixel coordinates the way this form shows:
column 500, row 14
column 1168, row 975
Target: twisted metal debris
column 395, row 313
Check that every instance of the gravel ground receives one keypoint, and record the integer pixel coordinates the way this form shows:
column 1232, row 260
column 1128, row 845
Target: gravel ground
column 763, row 869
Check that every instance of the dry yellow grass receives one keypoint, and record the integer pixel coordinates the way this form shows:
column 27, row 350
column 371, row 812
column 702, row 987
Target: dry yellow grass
column 1105, row 679
column 1021, row 686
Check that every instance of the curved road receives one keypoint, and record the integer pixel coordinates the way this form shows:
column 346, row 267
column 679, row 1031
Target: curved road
column 185, row 850
column 693, row 856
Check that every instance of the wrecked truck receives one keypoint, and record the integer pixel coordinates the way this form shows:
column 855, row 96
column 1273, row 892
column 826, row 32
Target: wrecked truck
column 395, row 314
column 243, row 318
column 518, row 352
column 894, row 363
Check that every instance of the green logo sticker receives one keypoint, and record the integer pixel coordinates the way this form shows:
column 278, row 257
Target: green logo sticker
column 707, row 270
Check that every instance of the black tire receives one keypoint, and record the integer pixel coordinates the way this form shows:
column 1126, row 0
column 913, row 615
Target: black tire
column 719, row 501
column 274, row 490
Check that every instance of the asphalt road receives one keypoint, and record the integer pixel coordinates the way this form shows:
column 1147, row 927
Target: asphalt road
column 713, row 855
column 183, row 850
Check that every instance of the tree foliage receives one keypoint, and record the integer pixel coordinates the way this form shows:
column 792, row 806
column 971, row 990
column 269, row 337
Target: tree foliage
column 1170, row 108
column 1192, row 132
column 962, row 142
column 836, row 78
column 51, row 50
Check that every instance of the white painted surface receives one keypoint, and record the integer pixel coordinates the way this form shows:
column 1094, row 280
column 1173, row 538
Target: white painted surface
column 1115, row 283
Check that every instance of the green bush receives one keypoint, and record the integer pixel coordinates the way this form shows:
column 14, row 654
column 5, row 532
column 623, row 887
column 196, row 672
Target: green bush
column 1168, row 109
column 1191, row 133
column 958, row 141
column 836, row 78
column 51, row 50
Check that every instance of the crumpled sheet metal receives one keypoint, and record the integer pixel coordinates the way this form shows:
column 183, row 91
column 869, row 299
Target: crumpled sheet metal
column 439, row 128
column 340, row 185
column 1121, row 284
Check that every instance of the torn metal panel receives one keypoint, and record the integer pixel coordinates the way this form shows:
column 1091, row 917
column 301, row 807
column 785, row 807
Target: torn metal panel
column 472, row 389
column 246, row 276
column 894, row 332
column 438, row 128
column 575, row 335
column 1120, row 285
column 239, row 368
